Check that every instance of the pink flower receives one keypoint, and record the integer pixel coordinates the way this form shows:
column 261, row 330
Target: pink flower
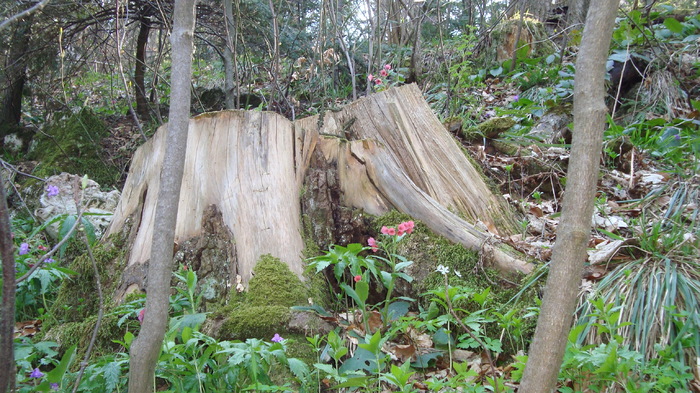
column 383, row 73
column 141, row 314
column 370, row 77
column 357, row 278
column 402, row 228
column 377, row 81
column 387, row 67
column 409, row 225
column 385, row 230
column 391, row 231
column 372, row 243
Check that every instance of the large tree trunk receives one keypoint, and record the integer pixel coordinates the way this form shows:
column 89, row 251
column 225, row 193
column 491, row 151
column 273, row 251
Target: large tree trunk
column 387, row 151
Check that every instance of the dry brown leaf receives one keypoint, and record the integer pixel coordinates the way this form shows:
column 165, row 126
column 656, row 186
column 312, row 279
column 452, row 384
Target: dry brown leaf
column 403, row 352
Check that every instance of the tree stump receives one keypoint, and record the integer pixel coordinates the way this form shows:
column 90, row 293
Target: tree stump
column 260, row 173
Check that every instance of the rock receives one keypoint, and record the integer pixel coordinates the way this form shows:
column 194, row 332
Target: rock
column 552, row 127
column 493, row 127
column 98, row 203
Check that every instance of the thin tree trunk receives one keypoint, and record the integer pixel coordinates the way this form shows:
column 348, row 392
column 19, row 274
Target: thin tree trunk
column 276, row 53
column 15, row 75
column 146, row 348
column 229, row 54
column 7, row 312
column 142, row 107
column 514, row 58
column 559, row 302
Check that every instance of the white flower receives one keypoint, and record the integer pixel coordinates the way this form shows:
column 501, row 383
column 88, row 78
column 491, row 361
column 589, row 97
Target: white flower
column 458, row 274
column 442, row 269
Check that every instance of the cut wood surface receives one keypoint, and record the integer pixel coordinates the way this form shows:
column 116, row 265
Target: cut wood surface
column 388, row 151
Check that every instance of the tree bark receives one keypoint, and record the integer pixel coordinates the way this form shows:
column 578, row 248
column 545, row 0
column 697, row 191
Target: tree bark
column 7, row 313
column 577, row 12
column 15, row 75
column 147, row 346
column 142, row 107
column 229, row 57
column 569, row 254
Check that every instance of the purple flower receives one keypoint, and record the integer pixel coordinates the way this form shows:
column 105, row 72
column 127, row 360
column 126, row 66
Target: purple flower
column 516, row 98
column 23, row 248
column 36, row 373
column 678, row 137
column 51, row 191
column 49, row 260
column 277, row 338
column 54, row 386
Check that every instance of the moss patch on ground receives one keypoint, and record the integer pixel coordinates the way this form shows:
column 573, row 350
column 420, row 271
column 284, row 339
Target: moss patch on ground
column 264, row 310
column 73, row 145
column 77, row 298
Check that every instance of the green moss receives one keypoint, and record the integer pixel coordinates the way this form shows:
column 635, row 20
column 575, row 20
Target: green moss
column 274, row 284
column 73, row 145
column 77, row 297
column 255, row 321
column 264, row 309
column 492, row 127
column 80, row 333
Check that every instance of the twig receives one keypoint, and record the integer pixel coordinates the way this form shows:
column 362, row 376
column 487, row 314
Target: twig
column 78, row 197
column 100, row 313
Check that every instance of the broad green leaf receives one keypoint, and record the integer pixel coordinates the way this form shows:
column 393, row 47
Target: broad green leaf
column 355, row 382
column 56, row 375
column 426, row 360
column 397, row 310
column 673, row 25
column 361, row 360
column 186, row 333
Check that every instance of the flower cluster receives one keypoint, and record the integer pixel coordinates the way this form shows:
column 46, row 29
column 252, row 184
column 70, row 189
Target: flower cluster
column 401, row 229
column 276, row 338
column 52, row 191
column 404, row 227
column 444, row 270
column 384, row 73
column 36, row 373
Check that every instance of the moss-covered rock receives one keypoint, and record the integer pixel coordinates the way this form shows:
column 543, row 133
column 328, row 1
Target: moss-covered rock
column 493, row 127
column 73, row 145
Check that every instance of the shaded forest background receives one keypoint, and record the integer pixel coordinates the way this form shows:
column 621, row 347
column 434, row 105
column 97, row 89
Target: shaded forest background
column 85, row 83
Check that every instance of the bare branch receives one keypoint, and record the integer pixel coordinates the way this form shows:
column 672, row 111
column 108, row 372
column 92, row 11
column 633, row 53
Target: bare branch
column 28, row 11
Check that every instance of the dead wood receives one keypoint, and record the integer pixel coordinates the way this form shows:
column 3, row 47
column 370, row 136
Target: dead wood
column 386, row 151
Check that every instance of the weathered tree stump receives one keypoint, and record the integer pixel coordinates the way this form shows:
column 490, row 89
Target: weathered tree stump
column 260, row 173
